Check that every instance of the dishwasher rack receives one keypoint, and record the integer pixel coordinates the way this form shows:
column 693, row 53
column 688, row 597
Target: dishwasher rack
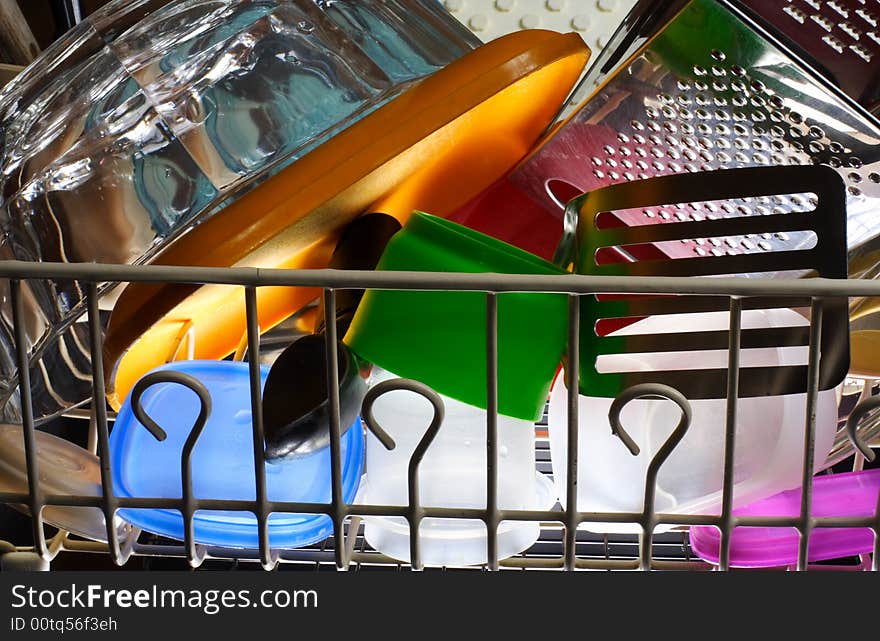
column 345, row 549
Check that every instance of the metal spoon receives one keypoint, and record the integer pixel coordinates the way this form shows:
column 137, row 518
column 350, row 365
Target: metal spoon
column 296, row 412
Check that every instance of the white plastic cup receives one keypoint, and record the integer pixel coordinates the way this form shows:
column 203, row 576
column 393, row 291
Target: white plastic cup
column 452, row 474
column 769, row 431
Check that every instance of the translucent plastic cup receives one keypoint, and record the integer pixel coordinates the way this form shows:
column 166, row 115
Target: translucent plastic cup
column 769, row 432
column 452, row 474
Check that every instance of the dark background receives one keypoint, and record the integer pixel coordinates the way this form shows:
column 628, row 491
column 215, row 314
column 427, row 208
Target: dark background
column 46, row 20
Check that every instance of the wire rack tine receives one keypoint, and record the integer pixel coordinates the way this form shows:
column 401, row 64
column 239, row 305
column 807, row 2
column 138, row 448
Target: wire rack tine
column 492, row 430
column 649, row 518
column 416, row 511
column 27, row 413
column 100, row 422
column 188, row 505
column 413, row 512
column 572, row 520
column 806, row 524
column 733, row 359
column 332, row 369
column 267, row 559
column 351, row 540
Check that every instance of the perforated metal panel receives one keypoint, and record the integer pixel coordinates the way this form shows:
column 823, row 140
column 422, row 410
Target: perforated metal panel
column 841, row 37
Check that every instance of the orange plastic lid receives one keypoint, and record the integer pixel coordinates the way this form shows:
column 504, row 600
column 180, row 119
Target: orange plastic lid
column 432, row 148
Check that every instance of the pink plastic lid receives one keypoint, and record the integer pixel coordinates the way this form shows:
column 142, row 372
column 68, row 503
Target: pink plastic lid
column 852, row 494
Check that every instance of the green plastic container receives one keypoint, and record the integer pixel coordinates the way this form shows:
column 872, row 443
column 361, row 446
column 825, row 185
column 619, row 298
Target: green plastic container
column 439, row 338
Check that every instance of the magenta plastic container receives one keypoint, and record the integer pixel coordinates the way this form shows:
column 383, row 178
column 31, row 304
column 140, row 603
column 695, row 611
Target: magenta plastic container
column 851, row 494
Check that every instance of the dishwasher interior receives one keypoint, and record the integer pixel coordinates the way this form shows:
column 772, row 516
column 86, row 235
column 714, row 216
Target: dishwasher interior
column 567, row 353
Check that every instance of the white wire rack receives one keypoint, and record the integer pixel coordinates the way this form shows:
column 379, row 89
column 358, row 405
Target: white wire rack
column 562, row 544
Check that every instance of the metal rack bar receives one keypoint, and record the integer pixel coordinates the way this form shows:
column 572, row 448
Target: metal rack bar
column 35, row 499
column 727, row 482
column 806, row 524
column 491, row 517
column 109, row 503
column 256, row 393
column 443, row 513
column 442, row 281
column 571, row 513
column 332, row 369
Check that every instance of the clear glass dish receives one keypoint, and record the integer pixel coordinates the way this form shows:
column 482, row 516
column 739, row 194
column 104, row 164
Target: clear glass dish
column 149, row 116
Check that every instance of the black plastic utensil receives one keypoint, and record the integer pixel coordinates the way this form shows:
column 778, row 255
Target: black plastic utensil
column 296, row 411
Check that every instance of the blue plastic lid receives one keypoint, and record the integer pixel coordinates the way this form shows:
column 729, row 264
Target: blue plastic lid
column 222, row 463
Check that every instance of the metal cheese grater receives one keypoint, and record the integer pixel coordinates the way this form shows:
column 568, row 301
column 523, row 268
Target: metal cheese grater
column 841, row 38
column 689, row 86
column 596, row 243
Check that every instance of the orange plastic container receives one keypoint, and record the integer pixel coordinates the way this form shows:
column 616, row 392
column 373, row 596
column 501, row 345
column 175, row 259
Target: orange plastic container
column 434, row 148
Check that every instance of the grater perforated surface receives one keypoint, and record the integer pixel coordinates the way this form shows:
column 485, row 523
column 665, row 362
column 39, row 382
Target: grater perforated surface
column 841, row 36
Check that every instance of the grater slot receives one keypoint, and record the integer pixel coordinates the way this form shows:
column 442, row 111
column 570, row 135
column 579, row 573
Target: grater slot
column 696, row 341
column 649, row 306
column 712, row 383
column 798, row 260
column 824, row 224
column 815, row 239
column 719, row 227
